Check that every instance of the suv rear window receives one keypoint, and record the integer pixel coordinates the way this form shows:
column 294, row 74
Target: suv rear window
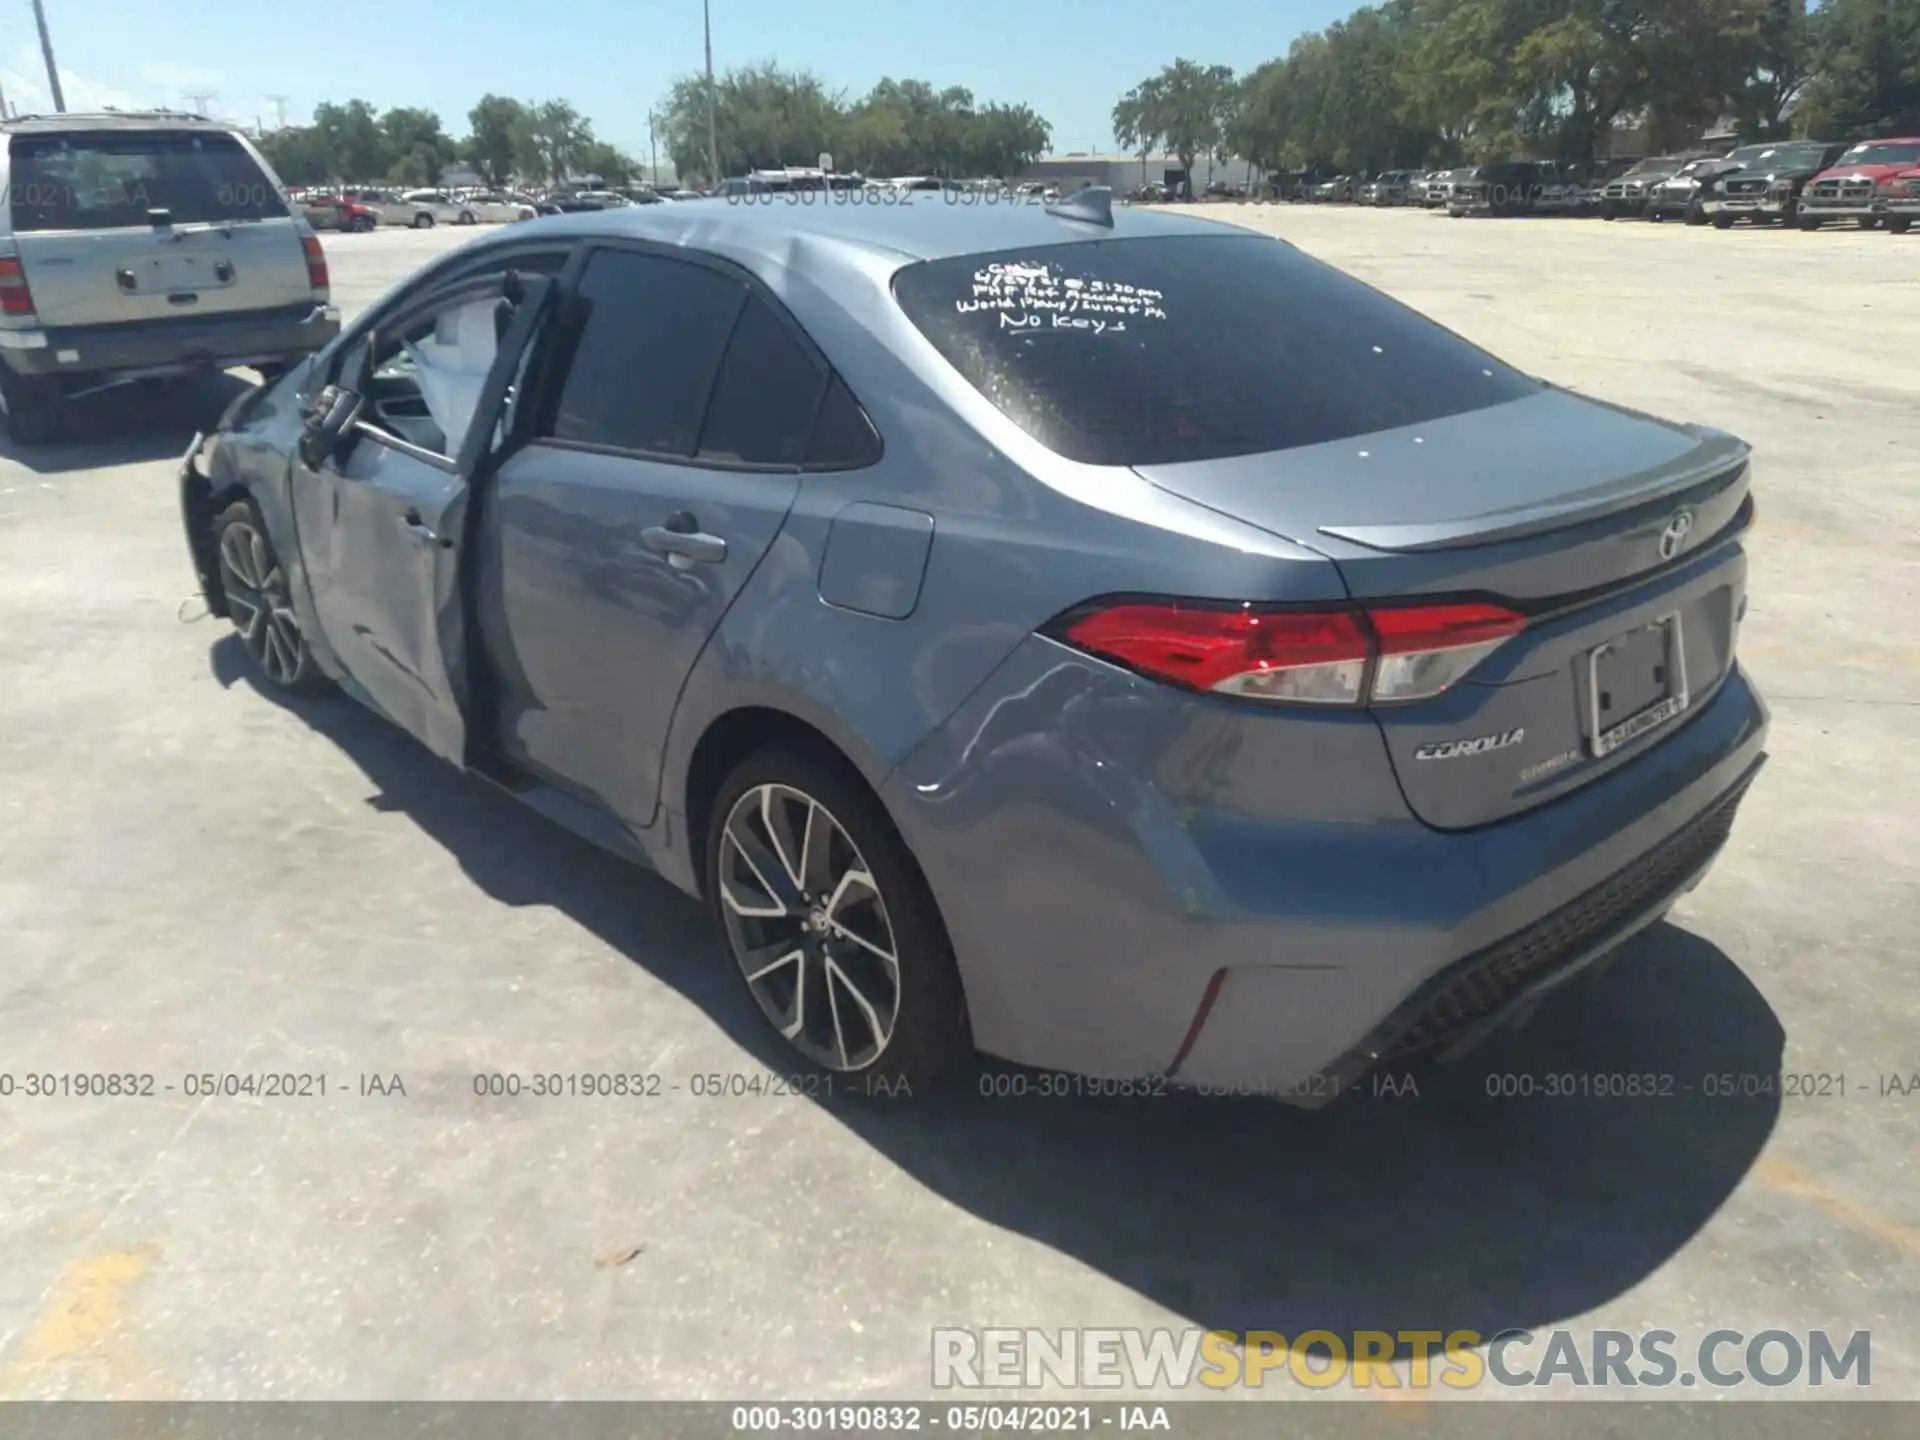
column 1163, row 349
column 110, row 179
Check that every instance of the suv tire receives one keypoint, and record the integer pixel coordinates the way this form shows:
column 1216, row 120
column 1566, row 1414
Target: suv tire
column 423, row 221
column 32, row 406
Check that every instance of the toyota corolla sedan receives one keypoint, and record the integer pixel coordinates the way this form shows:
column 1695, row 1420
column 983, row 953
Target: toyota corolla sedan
column 1112, row 641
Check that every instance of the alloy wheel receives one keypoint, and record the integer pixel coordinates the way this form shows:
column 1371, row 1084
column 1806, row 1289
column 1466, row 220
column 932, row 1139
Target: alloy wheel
column 808, row 927
column 258, row 601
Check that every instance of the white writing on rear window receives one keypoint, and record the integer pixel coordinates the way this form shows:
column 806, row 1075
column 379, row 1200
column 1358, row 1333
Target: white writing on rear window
column 1034, row 297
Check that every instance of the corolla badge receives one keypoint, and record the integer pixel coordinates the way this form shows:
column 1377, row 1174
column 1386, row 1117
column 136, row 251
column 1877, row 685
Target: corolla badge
column 1479, row 745
column 1674, row 538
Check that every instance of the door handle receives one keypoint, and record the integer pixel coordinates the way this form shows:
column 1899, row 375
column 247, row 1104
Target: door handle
column 689, row 545
column 415, row 522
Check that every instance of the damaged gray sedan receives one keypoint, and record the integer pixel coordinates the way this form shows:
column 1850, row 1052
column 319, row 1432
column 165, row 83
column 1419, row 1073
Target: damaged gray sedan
column 1111, row 641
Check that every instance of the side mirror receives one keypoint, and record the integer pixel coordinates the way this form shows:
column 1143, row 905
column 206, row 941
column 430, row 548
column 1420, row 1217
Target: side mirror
column 329, row 426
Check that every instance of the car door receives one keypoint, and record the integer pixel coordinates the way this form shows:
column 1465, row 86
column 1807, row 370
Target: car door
column 383, row 524
column 664, row 457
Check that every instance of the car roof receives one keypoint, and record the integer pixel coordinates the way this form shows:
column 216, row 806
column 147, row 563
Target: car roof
column 112, row 120
column 936, row 229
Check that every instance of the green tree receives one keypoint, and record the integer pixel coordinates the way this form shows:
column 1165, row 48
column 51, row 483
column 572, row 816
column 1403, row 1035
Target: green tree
column 355, row 145
column 298, row 154
column 612, row 164
column 1179, row 111
column 420, row 148
column 493, row 122
column 550, row 140
column 1867, row 69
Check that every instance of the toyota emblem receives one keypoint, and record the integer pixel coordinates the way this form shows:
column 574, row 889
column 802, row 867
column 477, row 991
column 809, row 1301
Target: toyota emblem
column 1673, row 539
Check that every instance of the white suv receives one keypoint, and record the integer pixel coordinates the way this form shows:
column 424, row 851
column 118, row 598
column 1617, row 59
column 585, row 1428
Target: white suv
column 138, row 246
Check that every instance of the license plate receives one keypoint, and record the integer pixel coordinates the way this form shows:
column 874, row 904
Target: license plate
column 165, row 274
column 1636, row 683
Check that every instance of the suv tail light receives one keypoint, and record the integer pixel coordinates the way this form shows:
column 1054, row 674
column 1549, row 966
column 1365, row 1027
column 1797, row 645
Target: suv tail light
column 1354, row 656
column 16, row 300
column 317, row 275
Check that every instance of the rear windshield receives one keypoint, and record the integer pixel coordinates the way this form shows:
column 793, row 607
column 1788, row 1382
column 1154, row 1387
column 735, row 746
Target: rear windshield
column 110, row 179
column 1157, row 350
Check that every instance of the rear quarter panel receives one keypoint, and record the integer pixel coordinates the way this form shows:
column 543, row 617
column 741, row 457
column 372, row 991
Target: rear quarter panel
column 1018, row 537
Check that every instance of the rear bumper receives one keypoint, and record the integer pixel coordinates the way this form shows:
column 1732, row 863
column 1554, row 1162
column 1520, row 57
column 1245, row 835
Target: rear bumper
column 1116, row 913
column 159, row 346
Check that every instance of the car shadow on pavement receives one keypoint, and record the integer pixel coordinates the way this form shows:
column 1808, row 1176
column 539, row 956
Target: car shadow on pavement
column 1544, row 1174
column 130, row 425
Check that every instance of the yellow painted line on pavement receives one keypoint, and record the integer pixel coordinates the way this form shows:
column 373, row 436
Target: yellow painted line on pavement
column 80, row 1320
column 1785, row 1179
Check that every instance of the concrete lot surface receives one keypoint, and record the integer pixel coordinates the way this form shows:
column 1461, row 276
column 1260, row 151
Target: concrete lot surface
column 195, row 879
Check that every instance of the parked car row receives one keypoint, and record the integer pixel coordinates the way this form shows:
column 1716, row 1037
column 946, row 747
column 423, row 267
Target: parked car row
column 1805, row 183
column 362, row 208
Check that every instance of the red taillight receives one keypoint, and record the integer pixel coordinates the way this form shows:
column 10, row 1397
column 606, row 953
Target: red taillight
column 316, row 266
column 1384, row 655
column 15, row 298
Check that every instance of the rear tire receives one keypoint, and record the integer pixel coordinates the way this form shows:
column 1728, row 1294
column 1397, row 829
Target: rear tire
column 33, row 407
column 1899, row 224
column 467, row 218
column 423, row 221
column 1696, row 215
column 838, row 904
column 1723, row 222
column 1866, row 222
column 259, row 601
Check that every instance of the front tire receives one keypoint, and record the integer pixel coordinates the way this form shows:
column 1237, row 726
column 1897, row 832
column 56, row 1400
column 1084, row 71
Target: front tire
column 1723, row 222
column 1696, row 214
column 259, row 601
column 831, row 925
column 1899, row 224
column 1809, row 222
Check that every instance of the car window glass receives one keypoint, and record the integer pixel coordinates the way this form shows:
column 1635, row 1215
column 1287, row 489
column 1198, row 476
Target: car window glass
column 421, row 376
column 843, row 437
column 647, row 337
column 1157, row 350
column 100, row 180
column 766, row 394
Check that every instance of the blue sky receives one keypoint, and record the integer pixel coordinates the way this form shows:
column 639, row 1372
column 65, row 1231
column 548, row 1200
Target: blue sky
column 1069, row 59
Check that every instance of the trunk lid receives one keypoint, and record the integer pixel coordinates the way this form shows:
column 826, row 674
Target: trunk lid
column 1615, row 533
column 118, row 226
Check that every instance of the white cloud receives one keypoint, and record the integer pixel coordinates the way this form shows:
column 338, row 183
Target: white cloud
column 25, row 79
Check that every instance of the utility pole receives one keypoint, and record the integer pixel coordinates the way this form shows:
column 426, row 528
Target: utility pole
column 653, row 150
column 46, row 51
column 199, row 99
column 280, row 109
column 713, row 142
